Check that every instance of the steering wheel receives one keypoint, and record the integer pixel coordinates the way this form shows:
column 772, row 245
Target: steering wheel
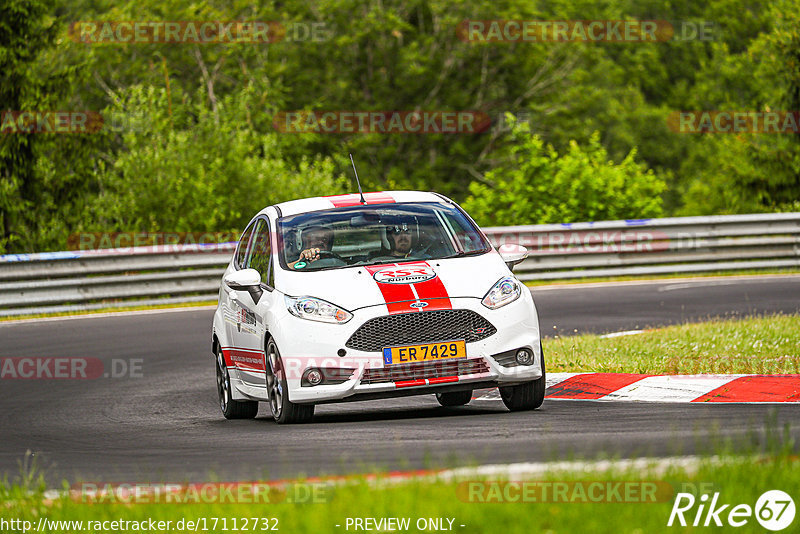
column 326, row 258
column 325, row 254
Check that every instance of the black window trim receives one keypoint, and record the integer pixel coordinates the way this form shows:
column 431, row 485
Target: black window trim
column 271, row 265
column 238, row 246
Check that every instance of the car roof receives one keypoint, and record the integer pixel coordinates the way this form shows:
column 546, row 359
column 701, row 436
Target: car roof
column 304, row 205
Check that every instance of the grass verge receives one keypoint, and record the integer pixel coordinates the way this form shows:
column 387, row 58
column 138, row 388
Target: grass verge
column 613, row 499
column 759, row 345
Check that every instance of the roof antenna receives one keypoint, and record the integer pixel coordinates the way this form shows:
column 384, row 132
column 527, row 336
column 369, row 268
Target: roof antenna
column 357, row 182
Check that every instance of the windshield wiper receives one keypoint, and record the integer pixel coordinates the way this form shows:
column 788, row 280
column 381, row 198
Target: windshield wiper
column 378, row 262
column 462, row 253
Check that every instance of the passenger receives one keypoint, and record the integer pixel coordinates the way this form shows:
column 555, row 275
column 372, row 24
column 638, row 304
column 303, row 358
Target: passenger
column 400, row 239
column 402, row 234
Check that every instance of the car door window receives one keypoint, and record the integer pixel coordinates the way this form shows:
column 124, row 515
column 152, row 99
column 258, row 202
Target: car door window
column 260, row 252
column 241, row 248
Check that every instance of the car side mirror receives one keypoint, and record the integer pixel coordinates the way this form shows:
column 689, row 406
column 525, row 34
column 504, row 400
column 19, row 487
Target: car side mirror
column 246, row 280
column 512, row 254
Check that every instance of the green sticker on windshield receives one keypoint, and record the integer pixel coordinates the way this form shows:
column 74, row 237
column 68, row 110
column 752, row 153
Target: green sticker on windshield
column 300, row 265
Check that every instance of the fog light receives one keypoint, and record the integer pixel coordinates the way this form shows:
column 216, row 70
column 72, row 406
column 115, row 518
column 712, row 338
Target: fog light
column 524, row 357
column 314, row 377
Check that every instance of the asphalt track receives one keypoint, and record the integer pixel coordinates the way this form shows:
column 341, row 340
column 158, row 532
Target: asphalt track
column 166, row 425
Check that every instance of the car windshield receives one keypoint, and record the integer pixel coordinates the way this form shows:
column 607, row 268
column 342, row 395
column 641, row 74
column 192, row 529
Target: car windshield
column 374, row 234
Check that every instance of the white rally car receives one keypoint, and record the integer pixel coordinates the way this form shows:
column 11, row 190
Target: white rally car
column 357, row 297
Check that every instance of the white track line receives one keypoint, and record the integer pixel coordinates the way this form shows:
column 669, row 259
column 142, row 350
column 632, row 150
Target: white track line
column 676, row 388
column 620, row 334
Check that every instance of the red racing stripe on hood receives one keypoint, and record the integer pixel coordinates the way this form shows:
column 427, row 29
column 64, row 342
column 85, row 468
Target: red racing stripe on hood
column 434, row 293
column 428, row 294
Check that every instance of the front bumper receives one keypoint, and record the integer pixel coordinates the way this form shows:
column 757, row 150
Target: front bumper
column 304, row 344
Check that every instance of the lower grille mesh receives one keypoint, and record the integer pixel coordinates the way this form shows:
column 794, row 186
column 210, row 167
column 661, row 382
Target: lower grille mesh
column 423, row 370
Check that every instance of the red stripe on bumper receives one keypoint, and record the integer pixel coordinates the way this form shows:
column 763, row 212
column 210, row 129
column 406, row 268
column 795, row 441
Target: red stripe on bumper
column 409, row 383
column 768, row 388
column 592, row 386
column 442, row 380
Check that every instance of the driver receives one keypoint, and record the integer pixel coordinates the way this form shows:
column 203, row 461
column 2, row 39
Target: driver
column 315, row 239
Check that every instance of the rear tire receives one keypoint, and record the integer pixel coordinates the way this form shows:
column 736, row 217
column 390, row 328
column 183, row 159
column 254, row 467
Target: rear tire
column 283, row 410
column 527, row 396
column 454, row 398
column 231, row 409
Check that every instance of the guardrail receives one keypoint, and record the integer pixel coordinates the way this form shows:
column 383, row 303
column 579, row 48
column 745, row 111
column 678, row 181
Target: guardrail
column 93, row 279
column 655, row 246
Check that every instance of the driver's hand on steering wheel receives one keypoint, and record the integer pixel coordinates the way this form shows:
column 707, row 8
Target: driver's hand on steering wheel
column 309, row 254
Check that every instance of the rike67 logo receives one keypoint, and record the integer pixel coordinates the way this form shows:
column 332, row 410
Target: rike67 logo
column 774, row 510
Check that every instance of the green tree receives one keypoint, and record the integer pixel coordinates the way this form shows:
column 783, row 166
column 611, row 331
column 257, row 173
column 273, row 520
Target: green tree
column 777, row 186
column 749, row 172
column 193, row 167
column 25, row 32
column 535, row 184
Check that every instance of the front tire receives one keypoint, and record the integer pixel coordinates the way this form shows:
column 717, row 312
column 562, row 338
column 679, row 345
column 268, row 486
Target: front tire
column 527, row 396
column 231, row 409
column 283, row 410
column 454, row 398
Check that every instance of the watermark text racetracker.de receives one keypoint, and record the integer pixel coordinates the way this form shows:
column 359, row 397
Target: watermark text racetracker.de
column 583, row 31
column 69, row 368
column 549, row 491
column 155, row 241
column 600, row 241
column 48, row 121
column 240, row 492
column 382, row 122
column 735, row 122
column 122, row 32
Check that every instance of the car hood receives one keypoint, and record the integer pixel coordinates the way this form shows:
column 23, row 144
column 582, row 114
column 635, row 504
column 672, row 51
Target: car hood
column 432, row 282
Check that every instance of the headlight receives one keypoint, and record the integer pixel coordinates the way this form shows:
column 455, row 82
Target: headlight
column 317, row 310
column 505, row 291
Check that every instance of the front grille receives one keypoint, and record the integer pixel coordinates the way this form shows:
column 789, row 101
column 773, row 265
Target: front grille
column 423, row 370
column 420, row 327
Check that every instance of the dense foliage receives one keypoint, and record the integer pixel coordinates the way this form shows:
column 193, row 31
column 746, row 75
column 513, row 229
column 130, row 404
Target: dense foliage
column 189, row 141
column 536, row 185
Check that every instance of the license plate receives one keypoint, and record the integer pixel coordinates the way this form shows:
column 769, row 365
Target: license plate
column 425, row 352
